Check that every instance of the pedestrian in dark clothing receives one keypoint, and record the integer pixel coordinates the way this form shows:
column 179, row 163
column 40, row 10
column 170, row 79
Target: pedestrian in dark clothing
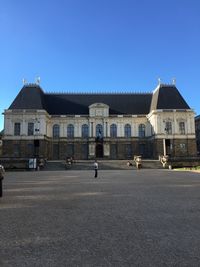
column 95, row 169
column 2, row 171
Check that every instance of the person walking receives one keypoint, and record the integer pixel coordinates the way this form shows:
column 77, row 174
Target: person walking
column 95, row 169
column 2, row 171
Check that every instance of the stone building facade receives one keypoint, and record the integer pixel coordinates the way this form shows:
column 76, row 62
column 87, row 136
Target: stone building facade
column 197, row 128
column 99, row 125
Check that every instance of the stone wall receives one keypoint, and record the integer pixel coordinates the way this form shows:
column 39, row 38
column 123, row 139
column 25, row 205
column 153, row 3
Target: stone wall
column 25, row 148
column 112, row 148
column 179, row 147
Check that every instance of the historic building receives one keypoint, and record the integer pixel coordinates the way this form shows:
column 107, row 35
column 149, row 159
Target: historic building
column 99, row 125
column 1, row 143
column 197, row 128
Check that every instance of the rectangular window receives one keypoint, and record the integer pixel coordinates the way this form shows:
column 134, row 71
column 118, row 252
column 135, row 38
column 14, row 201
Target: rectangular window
column 17, row 128
column 70, row 150
column 30, row 150
column 128, row 151
column 30, row 128
column 84, row 148
column 168, row 127
column 142, row 149
column 16, row 150
column 113, row 151
column 182, row 127
column 183, row 146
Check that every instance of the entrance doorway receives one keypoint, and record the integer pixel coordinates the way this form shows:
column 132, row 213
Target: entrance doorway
column 168, row 147
column 99, row 150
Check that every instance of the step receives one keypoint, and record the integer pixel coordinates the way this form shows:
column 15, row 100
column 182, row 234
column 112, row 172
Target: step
column 103, row 165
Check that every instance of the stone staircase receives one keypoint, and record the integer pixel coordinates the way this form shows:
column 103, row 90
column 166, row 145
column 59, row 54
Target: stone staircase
column 54, row 165
column 151, row 164
column 59, row 165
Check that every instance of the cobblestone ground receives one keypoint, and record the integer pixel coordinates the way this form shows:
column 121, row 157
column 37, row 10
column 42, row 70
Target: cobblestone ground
column 123, row 218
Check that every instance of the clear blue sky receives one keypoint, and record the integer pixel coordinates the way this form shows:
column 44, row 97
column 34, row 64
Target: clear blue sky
column 99, row 45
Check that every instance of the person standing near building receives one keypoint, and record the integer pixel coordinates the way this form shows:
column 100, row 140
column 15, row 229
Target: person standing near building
column 2, row 171
column 95, row 169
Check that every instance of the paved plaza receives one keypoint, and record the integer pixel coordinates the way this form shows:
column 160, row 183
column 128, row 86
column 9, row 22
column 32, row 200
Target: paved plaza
column 123, row 218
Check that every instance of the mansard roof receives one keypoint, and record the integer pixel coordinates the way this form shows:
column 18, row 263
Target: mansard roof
column 167, row 97
column 32, row 96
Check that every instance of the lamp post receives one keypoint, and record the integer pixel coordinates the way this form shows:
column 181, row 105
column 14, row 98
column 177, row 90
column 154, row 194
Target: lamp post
column 164, row 142
column 36, row 141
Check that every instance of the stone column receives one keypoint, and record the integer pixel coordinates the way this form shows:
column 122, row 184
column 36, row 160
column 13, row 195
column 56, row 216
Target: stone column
column 24, row 128
column 91, row 130
column 92, row 150
column 106, row 134
column 164, row 147
column 106, row 150
column 105, row 128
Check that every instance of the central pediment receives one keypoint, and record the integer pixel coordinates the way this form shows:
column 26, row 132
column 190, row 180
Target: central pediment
column 99, row 110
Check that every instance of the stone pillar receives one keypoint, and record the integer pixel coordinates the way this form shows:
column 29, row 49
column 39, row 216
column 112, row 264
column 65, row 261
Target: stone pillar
column 106, row 150
column 24, row 128
column 108, row 129
column 91, row 132
column 104, row 129
column 61, row 130
column 164, row 147
column 94, row 129
column 92, row 150
column 118, row 129
column 42, row 126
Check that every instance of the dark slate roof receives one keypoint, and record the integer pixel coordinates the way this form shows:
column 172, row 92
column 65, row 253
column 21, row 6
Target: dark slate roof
column 197, row 117
column 33, row 97
column 167, row 97
column 79, row 103
column 30, row 97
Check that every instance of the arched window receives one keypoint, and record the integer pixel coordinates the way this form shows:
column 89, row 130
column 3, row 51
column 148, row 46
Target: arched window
column 113, row 130
column 141, row 130
column 70, row 131
column 127, row 130
column 85, row 131
column 99, row 131
column 56, row 131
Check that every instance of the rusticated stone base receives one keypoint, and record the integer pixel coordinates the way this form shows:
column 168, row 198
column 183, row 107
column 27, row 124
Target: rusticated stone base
column 111, row 148
column 176, row 148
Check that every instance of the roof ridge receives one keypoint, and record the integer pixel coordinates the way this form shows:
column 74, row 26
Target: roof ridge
column 100, row 93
